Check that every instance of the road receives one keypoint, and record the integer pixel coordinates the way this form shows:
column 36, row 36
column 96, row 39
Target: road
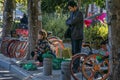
column 7, row 75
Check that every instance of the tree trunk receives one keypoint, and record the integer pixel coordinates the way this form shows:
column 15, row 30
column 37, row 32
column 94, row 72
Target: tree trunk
column 79, row 4
column 86, row 10
column 7, row 17
column 114, row 38
column 34, row 23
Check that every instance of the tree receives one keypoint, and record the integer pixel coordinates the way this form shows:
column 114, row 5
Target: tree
column 50, row 6
column 114, row 37
column 34, row 23
column 9, row 6
column 21, row 5
column 1, row 5
column 7, row 17
column 34, row 20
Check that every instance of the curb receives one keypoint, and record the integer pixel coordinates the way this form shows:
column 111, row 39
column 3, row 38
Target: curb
column 10, row 65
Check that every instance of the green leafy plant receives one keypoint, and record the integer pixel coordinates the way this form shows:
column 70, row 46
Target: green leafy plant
column 96, row 34
column 55, row 24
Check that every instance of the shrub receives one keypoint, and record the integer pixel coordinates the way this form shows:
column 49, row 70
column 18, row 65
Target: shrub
column 93, row 34
column 55, row 24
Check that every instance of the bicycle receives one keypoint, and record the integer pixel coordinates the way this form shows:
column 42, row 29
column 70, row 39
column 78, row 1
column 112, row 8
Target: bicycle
column 56, row 42
column 81, row 58
column 17, row 48
column 98, row 68
column 84, row 62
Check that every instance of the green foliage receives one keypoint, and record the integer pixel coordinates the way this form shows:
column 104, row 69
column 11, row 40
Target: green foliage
column 91, row 34
column 100, row 3
column 56, row 24
column 49, row 6
column 21, row 5
column 22, row 2
column 15, row 25
column 103, row 31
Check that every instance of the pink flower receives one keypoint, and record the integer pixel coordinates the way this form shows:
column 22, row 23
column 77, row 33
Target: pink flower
column 101, row 17
column 88, row 22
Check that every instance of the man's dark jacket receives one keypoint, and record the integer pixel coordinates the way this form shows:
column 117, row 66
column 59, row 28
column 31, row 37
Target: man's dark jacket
column 75, row 22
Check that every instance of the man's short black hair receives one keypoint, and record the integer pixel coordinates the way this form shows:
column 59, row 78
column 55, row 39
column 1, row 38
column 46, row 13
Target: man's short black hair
column 72, row 3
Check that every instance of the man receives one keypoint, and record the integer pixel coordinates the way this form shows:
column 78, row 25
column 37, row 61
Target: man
column 24, row 22
column 75, row 22
column 24, row 19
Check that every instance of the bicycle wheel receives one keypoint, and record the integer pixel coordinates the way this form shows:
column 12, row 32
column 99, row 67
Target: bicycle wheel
column 17, row 49
column 4, row 45
column 21, row 50
column 75, row 58
column 11, row 48
column 95, row 67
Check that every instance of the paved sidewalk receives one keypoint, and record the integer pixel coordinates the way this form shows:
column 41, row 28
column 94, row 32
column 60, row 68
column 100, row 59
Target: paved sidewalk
column 9, row 64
